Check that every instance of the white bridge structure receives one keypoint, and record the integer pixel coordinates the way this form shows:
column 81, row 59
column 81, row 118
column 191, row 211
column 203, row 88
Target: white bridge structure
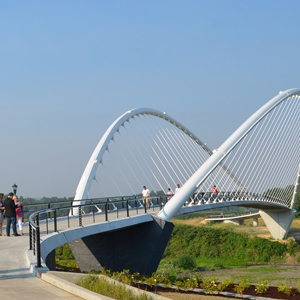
column 257, row 166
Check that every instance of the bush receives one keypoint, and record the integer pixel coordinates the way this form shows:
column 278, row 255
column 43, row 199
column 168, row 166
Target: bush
column 242, row 286
column 64, row 251
column 59, row 251
column 262, row 287
column 283, row 287
column 186, row 262
column 67, row 253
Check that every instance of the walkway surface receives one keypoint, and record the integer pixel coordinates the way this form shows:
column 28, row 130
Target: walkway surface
column 16, row 278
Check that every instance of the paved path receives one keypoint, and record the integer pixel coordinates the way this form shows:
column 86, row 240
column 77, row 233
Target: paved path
column 16, row 278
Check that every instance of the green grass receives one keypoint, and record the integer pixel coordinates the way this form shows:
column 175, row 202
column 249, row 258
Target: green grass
column 231, row 248
column 103, row 287
column 224, row 251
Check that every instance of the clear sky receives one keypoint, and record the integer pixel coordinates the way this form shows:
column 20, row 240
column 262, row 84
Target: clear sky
column 68, row 69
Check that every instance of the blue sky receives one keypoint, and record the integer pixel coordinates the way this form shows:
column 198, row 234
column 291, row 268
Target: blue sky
column 70, row 68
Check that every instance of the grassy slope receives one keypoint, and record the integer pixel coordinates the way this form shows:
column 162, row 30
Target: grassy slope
column 279, row 268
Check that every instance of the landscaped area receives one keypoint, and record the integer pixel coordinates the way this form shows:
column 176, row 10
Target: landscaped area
column 221, row 257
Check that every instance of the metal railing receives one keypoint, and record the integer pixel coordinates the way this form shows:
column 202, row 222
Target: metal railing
column 51, row 220
column 54, row 217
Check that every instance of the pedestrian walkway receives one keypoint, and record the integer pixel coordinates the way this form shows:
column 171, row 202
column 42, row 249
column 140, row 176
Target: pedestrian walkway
column 16, row 278
column 18, row 275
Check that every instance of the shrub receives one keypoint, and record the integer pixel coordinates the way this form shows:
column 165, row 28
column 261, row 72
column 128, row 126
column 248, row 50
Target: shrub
column 223, row 285
column 67, row 253
column 59, row 251
column 292, row 247
column 242, row 286
column 283, row 287
column 209, row 285
column 262, row 287
column 186, row 262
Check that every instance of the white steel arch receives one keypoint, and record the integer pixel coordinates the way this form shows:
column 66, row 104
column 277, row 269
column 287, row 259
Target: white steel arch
column 219, row 154
column 96, row 158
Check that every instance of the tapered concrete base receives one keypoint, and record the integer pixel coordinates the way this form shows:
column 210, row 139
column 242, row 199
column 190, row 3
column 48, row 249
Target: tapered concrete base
column 278, row 223
column 255, row 222
column 138, row 248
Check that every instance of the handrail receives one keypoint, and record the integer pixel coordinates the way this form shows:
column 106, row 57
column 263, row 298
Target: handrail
column 50, row 216
column 131, row 205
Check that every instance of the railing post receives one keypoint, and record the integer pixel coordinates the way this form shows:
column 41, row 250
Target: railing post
column 55, row 220
column 80, row 216
column 49, row 206
column 160, row 203
column 34, row 240
column 30, row 237
column 38, row 247
column 106, row 211
column 127, row 207
column 93, row 208
column 137, row 208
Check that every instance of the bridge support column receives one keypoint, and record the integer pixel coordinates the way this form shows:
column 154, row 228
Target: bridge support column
column 138, row 248
column 255, row 222
column 278, row 222
column 50, row 261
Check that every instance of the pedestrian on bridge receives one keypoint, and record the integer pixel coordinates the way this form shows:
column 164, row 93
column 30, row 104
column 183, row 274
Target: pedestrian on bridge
column 10, row 214
column 169, row 192
column 146, row 195
column 1, row 213
column 19, row 213
column 215, row 192
column 177, row 188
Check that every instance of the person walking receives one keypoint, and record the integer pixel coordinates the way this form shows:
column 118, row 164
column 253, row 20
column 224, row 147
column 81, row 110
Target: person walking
column 215, row 192
column 169, row 192
column 1, row 213
column 177, row 188
column 19, row 213
column 146, row 195
column 10, row 214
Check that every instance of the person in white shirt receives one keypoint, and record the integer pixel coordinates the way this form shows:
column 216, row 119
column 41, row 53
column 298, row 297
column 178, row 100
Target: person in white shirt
column 146, row 195
column 177, row 188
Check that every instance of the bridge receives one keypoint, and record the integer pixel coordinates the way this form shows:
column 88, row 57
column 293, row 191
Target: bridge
column 256, row 167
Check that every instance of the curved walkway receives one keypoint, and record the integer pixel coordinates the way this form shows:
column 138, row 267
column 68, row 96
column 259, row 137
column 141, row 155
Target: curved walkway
column 17, row 280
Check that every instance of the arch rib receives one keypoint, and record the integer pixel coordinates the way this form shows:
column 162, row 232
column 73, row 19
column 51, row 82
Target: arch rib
column 92, row 165
column 219, row 154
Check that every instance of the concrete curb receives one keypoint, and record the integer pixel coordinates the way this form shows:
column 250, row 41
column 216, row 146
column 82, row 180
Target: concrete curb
column 71, row 287
column 66, row 281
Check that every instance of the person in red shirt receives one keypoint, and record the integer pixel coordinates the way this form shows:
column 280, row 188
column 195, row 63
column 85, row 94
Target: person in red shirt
column 215, row 192
column 169, row 192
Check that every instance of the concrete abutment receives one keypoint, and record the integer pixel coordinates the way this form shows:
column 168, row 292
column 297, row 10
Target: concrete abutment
column 138, row 248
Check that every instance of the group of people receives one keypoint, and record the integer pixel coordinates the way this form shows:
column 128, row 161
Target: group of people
column 170, row 193
column 214, row 191
column 146, row 194
column 11, row 209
